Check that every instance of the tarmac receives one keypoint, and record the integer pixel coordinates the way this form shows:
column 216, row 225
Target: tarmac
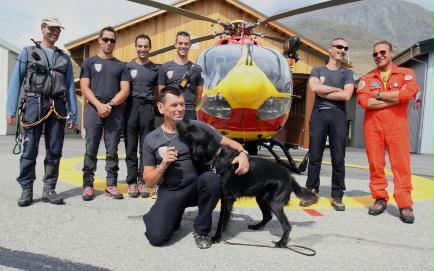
column 108, row 234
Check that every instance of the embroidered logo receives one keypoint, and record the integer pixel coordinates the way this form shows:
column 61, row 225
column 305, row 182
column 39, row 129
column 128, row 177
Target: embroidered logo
column 169, row 74
column 133, row 73
column 98, row 67
column 408, row 77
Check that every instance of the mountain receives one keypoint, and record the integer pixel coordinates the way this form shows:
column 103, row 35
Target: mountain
column 363, row 23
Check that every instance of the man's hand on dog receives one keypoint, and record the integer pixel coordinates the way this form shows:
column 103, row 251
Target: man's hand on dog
column 243, row 163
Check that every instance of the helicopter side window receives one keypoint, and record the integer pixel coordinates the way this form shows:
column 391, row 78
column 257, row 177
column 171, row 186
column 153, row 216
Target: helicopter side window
column 275, row 67
column 217, row 61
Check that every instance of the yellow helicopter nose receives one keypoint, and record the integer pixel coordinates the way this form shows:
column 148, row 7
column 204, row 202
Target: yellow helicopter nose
column 245, row 86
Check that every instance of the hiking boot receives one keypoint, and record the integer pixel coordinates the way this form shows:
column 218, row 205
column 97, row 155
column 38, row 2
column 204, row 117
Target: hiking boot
column 144, row 191
column 338, row 205
column 50, row 195
column 112, row 191
column 378, row 208
column 26, row 197
column 132, row 190
column 202, row 241
column 88, row 193
column 311, row 200
column 406, row 215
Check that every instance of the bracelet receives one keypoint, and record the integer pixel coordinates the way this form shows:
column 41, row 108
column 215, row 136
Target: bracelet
column 245, row 152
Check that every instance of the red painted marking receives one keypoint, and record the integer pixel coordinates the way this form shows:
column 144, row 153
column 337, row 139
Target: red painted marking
column 243, row 119
column 313, row 212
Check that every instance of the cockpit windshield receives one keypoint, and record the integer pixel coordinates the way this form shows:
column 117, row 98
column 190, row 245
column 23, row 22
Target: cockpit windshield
column 217, row 61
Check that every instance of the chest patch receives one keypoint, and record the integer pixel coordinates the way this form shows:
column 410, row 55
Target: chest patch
column 133, row 73
column 375, row 84
column 169, row 74
column 98, row 67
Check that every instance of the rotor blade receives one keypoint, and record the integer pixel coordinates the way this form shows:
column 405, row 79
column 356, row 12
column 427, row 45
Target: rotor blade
column 196, row 40
column 176, row 10
column 310, row 8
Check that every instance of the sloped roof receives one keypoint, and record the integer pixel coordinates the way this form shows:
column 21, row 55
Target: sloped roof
column 9, row 46
column 93, row 36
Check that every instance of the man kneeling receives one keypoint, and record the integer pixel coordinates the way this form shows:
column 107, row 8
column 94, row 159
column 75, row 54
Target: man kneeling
column 167, row 162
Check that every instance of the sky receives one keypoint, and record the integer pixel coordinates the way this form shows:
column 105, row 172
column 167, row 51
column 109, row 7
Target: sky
column 20, row 19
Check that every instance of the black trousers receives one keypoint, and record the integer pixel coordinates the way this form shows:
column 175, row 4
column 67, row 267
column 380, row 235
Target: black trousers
column 332, row 123
column 166, row 214
column 95, row 126
column 54, row 132
column 139, row 121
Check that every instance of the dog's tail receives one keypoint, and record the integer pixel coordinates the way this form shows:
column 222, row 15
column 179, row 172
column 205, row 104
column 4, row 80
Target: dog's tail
column 301, row 192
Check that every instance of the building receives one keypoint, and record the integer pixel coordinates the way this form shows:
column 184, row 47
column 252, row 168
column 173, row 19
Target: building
column 418, row 57
column 8, row 55
column 162, row 27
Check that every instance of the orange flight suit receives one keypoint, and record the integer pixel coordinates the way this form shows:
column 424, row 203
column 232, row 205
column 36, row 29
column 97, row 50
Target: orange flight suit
column 389, row 127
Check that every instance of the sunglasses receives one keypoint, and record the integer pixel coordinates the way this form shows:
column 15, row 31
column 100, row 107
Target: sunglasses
column 106, row 40
column 53, row 28
column 340, row 47
column 382, row 52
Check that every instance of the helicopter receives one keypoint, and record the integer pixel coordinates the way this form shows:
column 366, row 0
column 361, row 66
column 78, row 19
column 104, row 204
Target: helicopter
column 248, row 90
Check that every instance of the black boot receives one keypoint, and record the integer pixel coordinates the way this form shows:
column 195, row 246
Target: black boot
column 50, row 195
column 26, row 197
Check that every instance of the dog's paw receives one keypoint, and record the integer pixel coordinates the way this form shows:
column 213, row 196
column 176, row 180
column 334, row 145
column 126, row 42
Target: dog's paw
column 254, row 227
column 278, row 244
column 216, row 239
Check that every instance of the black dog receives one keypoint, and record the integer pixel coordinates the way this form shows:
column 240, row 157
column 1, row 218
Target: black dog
column 268, row 181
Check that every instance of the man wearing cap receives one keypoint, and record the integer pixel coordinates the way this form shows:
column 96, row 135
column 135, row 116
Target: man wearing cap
column 104, row 82
column 44, row 72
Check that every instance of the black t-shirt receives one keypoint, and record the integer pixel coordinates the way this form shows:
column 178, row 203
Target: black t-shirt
column 105, row 76
column 171, row 73
column 143, row 79
column 182, row 171
column 338, row 78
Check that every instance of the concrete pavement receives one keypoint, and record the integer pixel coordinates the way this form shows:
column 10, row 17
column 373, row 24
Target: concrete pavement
column 106, row 234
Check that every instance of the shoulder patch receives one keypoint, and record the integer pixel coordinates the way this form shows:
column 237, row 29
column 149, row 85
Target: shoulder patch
column 133, row 73
column 408, row 77
column 361, row 85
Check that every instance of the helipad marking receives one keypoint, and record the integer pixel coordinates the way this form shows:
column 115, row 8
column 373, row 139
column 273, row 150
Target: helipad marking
column 422, row 187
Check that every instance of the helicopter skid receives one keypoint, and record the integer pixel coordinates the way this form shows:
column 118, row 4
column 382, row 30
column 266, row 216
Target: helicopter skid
column 290, row 164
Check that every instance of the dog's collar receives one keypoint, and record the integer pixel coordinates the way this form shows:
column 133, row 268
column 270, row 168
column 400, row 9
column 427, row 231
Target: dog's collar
column 211, row 162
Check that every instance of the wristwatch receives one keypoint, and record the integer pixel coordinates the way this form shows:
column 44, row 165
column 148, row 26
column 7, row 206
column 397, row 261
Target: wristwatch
column 112, row 104
column 378, row 95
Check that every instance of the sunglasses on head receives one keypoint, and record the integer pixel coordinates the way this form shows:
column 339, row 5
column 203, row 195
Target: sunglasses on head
column 382, row 52
column 340, row 47
column 106, row 40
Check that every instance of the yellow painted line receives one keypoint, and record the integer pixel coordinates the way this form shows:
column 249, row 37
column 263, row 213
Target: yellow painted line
column 70, row 173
